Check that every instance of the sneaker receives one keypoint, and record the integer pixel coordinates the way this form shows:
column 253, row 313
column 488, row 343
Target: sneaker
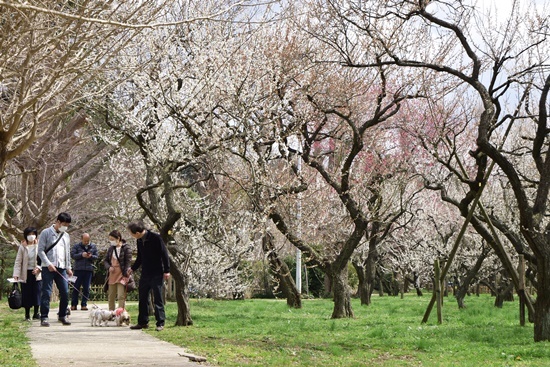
column 44, row 322
column 83, row 308
column 28, row 319
column 159, row 328
column 36, row 316
column 139, row 326
column 64, row 321
column 73, row 308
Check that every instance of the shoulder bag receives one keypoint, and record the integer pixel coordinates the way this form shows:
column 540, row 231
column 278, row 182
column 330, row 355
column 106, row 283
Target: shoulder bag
column 39, row 260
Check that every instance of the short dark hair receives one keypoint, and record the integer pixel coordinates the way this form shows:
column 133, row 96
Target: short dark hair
column 136, row 226
column 64, row 218
column 116, row 234
column 27, row 231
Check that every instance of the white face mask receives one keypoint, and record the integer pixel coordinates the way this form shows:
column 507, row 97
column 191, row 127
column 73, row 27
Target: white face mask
column 63, row 228
column 113, row 243
column 31, row 238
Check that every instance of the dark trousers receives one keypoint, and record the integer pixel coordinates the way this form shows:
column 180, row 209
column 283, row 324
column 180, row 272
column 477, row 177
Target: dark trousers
column 151, row 284
column 59, row 277
column 83, row 279
column 31, row 290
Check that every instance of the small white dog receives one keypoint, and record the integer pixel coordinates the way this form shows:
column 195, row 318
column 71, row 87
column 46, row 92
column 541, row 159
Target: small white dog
column 122, row 317
column 99, row 316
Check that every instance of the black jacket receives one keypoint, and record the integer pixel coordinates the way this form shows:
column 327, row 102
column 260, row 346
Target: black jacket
column 152, row 256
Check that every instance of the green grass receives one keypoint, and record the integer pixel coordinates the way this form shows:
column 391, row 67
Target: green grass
column 15, row 350
column 387, row 333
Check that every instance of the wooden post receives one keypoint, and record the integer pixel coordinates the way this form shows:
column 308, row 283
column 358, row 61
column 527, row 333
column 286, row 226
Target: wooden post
column 521, row 289
column 459, row 237
column 443, row 285
column 402, row 284
column 437, row 290
column 507, row 262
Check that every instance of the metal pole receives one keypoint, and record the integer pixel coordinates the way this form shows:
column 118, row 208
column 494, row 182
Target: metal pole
column 299, row 231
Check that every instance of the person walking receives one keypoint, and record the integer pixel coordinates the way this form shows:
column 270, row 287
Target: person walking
column 152, row 257
column 84, row 254
column 117, row 263
column 54, row 250
column 27, row 271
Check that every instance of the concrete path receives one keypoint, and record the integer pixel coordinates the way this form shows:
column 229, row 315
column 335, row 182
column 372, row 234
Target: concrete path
column 80, row 344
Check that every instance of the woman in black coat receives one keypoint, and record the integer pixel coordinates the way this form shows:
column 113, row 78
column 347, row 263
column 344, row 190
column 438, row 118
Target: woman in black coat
column 117, row 262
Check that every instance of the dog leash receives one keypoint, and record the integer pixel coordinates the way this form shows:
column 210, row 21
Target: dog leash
column 72, row 285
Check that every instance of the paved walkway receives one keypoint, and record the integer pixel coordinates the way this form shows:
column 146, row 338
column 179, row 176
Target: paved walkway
column 80, row 344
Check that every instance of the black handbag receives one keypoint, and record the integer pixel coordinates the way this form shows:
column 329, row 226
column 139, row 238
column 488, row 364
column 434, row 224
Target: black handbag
column 129, row 283
column 15, row 299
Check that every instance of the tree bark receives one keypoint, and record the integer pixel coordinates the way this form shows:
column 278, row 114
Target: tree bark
column 542, row 304
column 416, row 284
column 370, row 272
column 366, row 273
column 3, row 204
column 182, row 297
column 467, row 280
column 504, row 293
column 341, row 293
column 380, row 286
column 282, row 272
column 360, row 271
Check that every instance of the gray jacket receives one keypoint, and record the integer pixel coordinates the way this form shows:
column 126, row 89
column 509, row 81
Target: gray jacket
column 47, row 238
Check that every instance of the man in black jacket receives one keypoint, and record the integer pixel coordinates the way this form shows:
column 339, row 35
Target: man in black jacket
column 84, row 254
column 152, row 256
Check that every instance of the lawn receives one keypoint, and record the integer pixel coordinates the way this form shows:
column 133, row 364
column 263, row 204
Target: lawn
column 387, row 333
column 15, row 350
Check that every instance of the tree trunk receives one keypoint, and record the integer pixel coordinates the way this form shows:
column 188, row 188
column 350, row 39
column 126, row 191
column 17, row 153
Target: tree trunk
column 380, row 286
column 327, row 282
column 4, row 143
column 2, row 276
column 366, row 273
column 366, row 283
column 360, row 270
column 3, row 200
column 282, row 272
column 341, row 294
column 542, row 304
column 403, row 284
column 370, row 275
column 469, row 277
column 416, row 283
column 182, row 297
column 181, row 280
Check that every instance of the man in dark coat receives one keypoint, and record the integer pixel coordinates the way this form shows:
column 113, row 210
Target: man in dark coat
column 152, row 257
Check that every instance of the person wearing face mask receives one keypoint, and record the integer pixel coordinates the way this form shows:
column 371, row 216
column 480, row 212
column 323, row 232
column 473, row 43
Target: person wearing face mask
column 117, row 262
column 54, row 249
column 84, row 254
column 27, row 271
